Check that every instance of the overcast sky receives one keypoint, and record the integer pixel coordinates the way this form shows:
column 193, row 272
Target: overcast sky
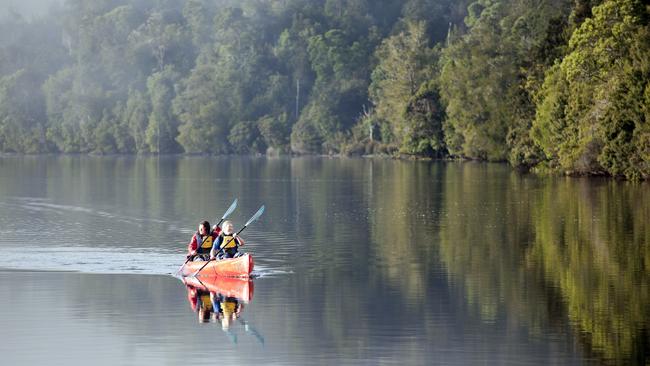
column 27, row 8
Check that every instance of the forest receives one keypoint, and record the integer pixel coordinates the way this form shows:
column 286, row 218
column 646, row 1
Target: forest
column 546, row 85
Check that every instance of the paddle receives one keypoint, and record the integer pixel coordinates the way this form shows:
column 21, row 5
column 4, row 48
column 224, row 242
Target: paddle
column 249, row 329
column 228, row 212
column 255, row 217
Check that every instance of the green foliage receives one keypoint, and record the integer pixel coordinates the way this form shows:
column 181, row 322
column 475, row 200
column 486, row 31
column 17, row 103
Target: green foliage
column 274, row 131
column 558, row 83
column 104, row 136
column 135, row 116
column 244, row 138
column 199, row 15
column 162, row 126
column 590, row 112
column 58, row 98
column 410, row 109
column 305, row 138
column 201, row 110
column 340, row 89
column 424, row 116
column 485, row 74
column 22, row 112
column 437, row 15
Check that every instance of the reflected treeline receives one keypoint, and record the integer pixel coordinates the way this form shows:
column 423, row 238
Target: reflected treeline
column 100, row 202
column 405, row 208
column 374, row 246
column 521, row 249
column 593, row 243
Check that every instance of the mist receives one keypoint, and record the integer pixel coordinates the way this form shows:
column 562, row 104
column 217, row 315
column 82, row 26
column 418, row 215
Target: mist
column 351, row 77
column 26, row 8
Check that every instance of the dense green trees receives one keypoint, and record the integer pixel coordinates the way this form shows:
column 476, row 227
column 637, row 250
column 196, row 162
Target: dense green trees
column 403, row 99
column 486, row 74
column 592, row 114
column 21, row 113
column 552, row 84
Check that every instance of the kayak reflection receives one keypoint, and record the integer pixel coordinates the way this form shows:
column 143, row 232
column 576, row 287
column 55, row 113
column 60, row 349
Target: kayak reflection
column 221, row 300
column 241, row 289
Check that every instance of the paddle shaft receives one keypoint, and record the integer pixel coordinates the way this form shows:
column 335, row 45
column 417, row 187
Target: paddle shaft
column 249, row 328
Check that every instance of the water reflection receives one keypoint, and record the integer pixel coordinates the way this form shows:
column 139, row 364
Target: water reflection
column 221, row 300
column 362, row 259
column 592, row 244
column 553, row 251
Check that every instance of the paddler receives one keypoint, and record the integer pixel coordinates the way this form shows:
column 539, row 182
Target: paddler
column 227, row 310
column 202, row 242
column 227, row 243
column 201, row 302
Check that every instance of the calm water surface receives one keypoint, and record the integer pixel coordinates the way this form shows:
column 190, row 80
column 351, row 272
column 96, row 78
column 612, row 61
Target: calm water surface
column 358, row 262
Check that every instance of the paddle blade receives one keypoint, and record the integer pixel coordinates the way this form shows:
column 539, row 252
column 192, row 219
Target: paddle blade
column 230, row 209
column 256, row 216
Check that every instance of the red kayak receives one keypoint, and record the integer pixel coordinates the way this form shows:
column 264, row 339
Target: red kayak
column 240, row 267
column 242, row 289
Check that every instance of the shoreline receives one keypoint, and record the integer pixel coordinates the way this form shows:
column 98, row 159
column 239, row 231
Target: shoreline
column 538, row 171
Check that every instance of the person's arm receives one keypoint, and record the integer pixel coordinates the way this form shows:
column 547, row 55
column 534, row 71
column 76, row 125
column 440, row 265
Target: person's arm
column 192, row 246
column 215, row 247
column 239, row 241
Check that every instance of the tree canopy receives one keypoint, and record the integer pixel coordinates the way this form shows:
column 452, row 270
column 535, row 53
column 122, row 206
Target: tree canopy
column 545, row 85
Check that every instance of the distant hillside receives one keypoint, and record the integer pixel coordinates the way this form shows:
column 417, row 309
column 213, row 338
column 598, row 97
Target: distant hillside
column 550, row 85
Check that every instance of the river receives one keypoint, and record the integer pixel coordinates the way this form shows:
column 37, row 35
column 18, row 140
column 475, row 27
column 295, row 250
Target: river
column 357, row 262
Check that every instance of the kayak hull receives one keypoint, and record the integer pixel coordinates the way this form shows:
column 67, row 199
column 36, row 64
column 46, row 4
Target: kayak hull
column 240, row 267
column 239, row 288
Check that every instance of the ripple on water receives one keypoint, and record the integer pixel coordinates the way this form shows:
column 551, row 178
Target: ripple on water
column 91, row 260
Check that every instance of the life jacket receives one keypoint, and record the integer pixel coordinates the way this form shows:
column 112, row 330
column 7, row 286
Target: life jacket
column 228, row 241
column 228, row 307
column 206, row 302
column 203, row 246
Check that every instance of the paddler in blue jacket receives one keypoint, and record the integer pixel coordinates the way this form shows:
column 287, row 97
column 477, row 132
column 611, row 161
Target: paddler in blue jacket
column 227, row 243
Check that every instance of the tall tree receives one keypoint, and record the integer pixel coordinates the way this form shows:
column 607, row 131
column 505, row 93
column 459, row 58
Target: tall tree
column 22, row 114
column 592, row 111
column 484, row 76
column 203, row 114
column 163, row 125
column 406, row 63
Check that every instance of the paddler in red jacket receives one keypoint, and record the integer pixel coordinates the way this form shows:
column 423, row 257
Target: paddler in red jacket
column 201, row 243
column 201, row 302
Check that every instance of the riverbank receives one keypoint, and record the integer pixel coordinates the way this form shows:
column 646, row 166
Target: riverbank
column 540, row 170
